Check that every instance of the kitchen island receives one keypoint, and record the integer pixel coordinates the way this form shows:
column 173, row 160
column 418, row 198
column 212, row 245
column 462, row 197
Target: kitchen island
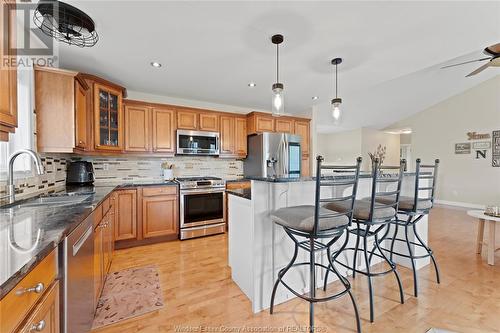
column 258, row 248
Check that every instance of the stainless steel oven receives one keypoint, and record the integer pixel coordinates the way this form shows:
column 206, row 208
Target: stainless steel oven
column 202, row 207
column 197, row 143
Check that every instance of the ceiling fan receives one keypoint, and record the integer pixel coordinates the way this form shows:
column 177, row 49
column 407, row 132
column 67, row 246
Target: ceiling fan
column 493, row 53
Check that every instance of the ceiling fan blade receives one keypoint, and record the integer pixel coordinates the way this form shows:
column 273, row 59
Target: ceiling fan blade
column 466, row 62
column 493, row 49
column 479, row 70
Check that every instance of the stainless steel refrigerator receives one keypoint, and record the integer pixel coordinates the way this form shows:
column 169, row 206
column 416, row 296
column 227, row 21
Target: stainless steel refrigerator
column 273, row 155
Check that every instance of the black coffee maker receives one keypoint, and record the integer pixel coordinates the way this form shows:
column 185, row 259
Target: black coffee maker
column 80, row 173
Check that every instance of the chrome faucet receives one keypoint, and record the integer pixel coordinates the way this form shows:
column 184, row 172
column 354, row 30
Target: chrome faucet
column 11, row 190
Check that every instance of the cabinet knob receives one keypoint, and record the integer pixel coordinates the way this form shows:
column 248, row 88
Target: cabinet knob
column 38, row 288
column 38, row 327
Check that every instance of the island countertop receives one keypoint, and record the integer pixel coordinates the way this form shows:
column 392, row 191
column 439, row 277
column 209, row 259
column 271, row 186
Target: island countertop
column 29, row 234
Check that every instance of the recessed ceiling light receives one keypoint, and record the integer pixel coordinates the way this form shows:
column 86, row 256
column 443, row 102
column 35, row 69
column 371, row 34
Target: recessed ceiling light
column 315, row 98
column 155, row 64
column 252, row 84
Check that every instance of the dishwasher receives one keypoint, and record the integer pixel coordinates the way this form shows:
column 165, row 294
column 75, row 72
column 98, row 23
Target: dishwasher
column 78, row 278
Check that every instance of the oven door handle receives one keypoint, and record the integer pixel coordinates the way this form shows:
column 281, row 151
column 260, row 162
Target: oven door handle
column 201, row 191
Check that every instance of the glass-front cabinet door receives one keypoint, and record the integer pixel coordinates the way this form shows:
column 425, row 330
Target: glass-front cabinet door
column 108, row 118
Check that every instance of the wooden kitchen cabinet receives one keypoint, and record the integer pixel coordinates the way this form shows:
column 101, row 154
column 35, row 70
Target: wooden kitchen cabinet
column 21, row 303
column 284, row 125
column 302, row 129
column 108, row 118
column 209, row 122
column 159, row 212
column 60, row 96
column 154, row 219
column 233, row 136
column 227, row 135
column 187, row 120
column 8, row 73
column 163, row 130
column 126, row 215
column 98, row 263
column 258, row 122
column 45, row 317
column 82, row 124
column 240, row 137
column 137, row 127
column 103, row 245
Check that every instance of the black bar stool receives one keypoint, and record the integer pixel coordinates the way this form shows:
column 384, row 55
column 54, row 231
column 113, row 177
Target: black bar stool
column 315, row 229
column 371, row 217
column 415, row 208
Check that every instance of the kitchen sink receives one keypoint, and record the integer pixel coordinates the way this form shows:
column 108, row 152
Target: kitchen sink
column 56, row 200
column 52, row 200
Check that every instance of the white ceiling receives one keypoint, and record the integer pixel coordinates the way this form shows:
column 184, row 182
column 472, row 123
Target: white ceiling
column 211, row 50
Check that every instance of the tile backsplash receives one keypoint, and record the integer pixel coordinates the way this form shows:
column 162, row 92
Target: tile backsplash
column 53, row 179
column 120, row 170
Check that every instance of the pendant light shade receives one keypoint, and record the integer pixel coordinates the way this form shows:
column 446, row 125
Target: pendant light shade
column 336, row 102
column 278, row 98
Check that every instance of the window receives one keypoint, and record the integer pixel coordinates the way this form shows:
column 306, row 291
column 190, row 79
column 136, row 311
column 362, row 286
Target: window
column 23, row 137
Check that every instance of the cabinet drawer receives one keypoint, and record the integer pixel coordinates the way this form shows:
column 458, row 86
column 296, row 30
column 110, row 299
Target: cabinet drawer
column 238, row 185
column 17, row 303
column 45, row 317
column 160, row 190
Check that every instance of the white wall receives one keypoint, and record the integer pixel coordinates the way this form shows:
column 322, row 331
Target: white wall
column 463, row 180
column 345, row 147
column 371, row 138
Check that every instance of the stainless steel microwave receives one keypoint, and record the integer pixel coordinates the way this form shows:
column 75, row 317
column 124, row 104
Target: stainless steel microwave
column 197, row 143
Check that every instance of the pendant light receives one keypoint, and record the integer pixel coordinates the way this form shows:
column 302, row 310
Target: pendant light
column 278, row 101
column 336, row 111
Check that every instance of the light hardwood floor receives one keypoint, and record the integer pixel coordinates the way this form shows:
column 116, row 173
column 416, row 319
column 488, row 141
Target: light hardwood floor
column 198, row 290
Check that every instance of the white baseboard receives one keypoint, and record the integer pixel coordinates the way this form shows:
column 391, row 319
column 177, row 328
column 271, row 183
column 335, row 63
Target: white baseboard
column 459, row 204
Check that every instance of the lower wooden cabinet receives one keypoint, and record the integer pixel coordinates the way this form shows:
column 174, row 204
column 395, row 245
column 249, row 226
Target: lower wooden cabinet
column 103, row 246
column 126, row 214
column 146, row 215
column 45, row 316
column 159, row 215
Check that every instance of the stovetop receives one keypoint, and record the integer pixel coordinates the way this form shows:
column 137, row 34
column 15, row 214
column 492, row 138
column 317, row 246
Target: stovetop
column 187, row 183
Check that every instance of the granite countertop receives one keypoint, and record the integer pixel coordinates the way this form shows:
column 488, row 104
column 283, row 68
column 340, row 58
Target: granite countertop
column 245, row 193
column 307, row 179
column 29, row 234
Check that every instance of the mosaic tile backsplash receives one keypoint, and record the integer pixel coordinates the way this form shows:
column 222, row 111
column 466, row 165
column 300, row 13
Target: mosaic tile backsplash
column 53, row 179
column 120, row 170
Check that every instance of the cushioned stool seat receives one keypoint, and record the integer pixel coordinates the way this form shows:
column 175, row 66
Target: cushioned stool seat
column 302, row 218
column 362, row 210
column 407, row 203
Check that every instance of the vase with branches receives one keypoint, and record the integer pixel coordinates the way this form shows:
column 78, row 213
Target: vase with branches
column 378, row 154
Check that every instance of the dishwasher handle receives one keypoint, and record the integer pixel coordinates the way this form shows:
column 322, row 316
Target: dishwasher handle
column 81, row 240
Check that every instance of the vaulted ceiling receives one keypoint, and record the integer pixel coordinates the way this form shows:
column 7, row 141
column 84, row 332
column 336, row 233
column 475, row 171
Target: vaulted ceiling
column 211, row 50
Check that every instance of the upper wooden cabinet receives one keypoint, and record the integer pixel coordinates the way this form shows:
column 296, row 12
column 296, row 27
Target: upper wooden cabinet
column 163, row 130
column 137, row 126
column 60, row 95
column 302, row 129
column 187, row 120
column 82, row 123
column 209, row 122
column 284, row 125
column 8, row 73
column 233, row 136
column 149, row 128
column 240, row 140
column 260, row 122
column 194, row 119
column 108, row 118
